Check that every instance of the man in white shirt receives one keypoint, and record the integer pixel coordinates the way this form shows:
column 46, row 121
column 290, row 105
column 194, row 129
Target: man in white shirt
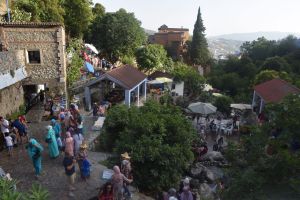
column 4, row 125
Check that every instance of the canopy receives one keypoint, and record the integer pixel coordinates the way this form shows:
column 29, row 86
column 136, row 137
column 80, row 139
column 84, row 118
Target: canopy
column 164, row 80
column 92, row 48
column 154, row 82
column 241, row 106
column 89, row 67
column 202, row 108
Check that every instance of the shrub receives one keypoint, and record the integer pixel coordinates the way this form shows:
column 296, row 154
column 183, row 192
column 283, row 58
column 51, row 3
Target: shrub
column 159, row 139
column 223, row 104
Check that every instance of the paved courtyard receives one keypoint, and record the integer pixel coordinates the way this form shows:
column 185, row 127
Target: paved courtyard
column 53, row 177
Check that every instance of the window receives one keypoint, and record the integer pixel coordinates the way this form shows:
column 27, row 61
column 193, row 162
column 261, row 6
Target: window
column 34, row 57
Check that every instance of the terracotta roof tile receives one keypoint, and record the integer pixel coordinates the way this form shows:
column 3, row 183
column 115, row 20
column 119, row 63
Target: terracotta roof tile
column 275, row 90
column 128, row 75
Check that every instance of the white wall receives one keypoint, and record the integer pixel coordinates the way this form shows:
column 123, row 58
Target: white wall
column 179, row 88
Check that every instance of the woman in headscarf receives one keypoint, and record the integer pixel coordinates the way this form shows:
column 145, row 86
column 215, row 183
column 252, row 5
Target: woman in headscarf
column 186, row 194
column 69, row 144
column 34, row 150
column 118, row 180
column 52, row 143
column 56, row 127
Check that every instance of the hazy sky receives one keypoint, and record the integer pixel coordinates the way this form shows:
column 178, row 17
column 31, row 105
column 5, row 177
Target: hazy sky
column 220, row 16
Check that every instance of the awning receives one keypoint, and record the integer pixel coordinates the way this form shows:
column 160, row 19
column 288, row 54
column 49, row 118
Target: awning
column 154, row 82
column 8, row 80
column 164, row 80
column 241, row 106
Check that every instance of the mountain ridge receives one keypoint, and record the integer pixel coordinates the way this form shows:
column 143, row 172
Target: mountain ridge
column 250, row 36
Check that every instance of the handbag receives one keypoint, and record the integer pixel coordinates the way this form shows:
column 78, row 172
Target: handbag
column 48, row 140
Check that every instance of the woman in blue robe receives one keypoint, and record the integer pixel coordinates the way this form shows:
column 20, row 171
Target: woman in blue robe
column 52, row 143
column 34, row 150
column 56, row 127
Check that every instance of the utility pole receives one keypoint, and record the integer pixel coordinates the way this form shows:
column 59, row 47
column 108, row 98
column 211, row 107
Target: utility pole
column 8, row 11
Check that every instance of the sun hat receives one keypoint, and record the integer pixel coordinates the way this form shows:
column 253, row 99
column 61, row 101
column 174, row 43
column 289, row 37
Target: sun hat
column 83, row 146
column 125, row 155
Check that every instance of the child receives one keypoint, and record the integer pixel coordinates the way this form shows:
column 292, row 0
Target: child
column 9, row 143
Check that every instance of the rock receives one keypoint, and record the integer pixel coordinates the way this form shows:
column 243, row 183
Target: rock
column 206, row 191
column 210, row 177
column 198, row 171
column 217, row 172
column 213, row 156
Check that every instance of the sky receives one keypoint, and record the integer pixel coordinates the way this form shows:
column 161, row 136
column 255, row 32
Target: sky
column 219, row 16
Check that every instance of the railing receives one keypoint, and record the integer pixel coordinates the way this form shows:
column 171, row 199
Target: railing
column 32, row 102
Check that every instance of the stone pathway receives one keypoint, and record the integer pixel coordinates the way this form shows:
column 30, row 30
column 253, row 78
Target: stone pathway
column 53, row 177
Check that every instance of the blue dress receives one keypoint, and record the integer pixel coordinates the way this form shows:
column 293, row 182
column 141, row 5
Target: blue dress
column 34, row 151
column 52, row 146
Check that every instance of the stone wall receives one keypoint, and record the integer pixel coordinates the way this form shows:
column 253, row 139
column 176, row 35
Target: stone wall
column 50, row 41
column 11, row 98
column 11, row 60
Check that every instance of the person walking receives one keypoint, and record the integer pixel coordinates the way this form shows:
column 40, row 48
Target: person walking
column 52, row 143
column 34, row 150
column 118, row 181
column 78, row 140
column 69, row 165
column 127, row 171
column 9, row 143
column 83, row 164
column 69, row 144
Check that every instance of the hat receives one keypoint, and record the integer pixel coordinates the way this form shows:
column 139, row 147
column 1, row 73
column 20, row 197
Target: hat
column 125, row 155
column 83, row 146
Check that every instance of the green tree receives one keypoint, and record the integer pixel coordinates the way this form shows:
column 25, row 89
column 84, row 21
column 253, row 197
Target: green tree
column 153, row 57
column 276, row 63
column 78, row 16
column 199, row 48
column 118, row 34
column 98, row 10
column 73, row 70
column 259, row 49
column 154, row 140
column 41, row 11
column 267, row 75
column 223, row 104
column 193, row 82
column 259, row 161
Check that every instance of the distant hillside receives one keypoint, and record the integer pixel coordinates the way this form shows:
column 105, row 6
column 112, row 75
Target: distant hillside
column 220, row 47
column 149, row 32
column 253, row 36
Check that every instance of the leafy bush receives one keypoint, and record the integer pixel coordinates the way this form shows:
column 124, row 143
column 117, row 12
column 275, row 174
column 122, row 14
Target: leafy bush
column 159, row 139
column 8, row 191
column 37, row 193
column 223, row 104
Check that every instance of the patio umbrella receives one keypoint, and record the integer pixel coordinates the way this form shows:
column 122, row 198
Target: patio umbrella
column 164, row 80
column 92, row 48
column 202, row 108
column 89, row 67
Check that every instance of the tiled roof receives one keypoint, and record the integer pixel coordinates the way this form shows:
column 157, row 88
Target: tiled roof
column 30, row 24
column 275, row 90
column 127, row 75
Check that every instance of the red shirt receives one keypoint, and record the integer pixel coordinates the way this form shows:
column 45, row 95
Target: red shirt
column 106, row 196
